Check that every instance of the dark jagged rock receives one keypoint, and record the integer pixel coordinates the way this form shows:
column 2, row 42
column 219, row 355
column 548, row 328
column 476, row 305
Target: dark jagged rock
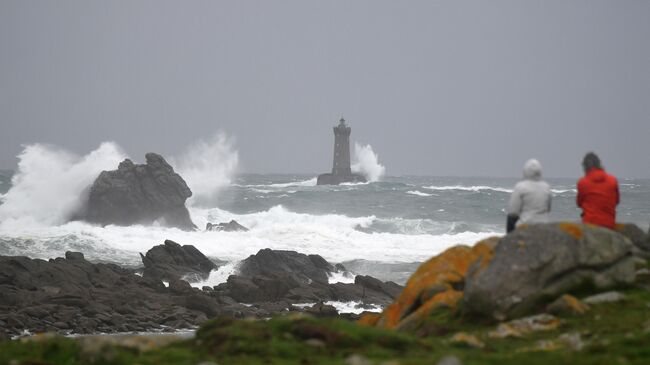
column 172, row 261
column 536, row 264
column 276, row 263
column 139, row 194
column 232, row 226
column 75, row 295
column 274, row 275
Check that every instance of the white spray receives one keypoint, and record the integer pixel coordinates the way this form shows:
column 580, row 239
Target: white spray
column 208, row 167
column 51, row 184
column 366, row 163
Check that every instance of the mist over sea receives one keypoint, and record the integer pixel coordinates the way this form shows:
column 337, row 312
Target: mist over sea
column 380, row 228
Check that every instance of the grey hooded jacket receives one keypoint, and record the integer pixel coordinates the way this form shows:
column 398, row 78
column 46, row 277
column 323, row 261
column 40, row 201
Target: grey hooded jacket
column 531, row 198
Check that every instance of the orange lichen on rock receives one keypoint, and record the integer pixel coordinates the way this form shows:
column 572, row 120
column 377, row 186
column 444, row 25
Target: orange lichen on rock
column 435, row 284
column 369, row 319
column 573, row 229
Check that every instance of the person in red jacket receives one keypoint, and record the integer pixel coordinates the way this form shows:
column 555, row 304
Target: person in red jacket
column 598, row 193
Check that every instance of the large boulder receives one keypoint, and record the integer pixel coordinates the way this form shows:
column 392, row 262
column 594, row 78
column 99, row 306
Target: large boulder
column 437, row 284
column 277, row 263
column 292, row 277
column 172, row 261
column 139, row 194
column 535, row 264
column 640, row 239
column 232, row 226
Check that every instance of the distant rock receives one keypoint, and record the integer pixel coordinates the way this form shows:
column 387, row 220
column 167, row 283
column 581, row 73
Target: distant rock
column 292, row 277
column 538, row 263
column 172, row 261
column 232, row 226
column 277, row 263
column 139, row 194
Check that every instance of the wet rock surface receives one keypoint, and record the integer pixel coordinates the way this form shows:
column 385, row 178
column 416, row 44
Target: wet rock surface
column 73, row 295
column 292, row 277
column 232, row 226
column 139, row 194
column 171, row 261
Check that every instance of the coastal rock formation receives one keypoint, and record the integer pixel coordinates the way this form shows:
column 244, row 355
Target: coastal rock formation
column 73, row 295
column 172, row 261
column 640, row 239
column 437, row 283
column 292, row 277
column 139, row 194
column 277, row 263
column 538, row 263
column 232, row 226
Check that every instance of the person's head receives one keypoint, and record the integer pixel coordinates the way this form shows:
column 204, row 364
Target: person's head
column 591, row 161
column 533, row 169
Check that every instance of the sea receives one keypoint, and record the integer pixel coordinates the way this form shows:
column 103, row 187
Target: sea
column 383, row 228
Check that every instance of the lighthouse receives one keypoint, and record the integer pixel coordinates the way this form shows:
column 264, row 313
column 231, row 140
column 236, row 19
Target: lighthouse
column 341, row 171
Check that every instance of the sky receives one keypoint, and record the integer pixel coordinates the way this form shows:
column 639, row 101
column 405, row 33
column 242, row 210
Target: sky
column 443, row 88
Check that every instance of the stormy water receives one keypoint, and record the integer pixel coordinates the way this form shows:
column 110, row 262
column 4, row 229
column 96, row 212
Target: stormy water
column 381, row 228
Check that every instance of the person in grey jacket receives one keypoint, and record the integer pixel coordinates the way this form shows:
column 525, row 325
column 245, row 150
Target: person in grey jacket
column 530, row 201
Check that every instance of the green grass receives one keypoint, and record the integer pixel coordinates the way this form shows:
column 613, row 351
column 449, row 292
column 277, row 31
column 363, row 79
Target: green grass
column 614, row 333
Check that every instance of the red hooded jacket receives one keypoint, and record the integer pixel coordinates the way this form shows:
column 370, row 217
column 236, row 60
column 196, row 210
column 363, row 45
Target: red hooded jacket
column 598, row 197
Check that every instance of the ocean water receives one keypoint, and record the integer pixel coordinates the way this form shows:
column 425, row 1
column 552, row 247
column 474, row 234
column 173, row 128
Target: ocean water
column 392, row 223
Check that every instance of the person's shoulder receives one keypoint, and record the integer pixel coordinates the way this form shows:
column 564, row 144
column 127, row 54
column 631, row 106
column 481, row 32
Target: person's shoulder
column 612, row 178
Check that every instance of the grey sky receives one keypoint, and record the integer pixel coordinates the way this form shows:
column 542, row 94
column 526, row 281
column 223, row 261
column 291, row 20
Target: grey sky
column 436, row 87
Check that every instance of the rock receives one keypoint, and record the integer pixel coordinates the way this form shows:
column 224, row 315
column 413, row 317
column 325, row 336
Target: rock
column 436, row 284
column 368, row 282
column 464, row 339
column 72, row 295
column 232, row 226
column 356, row 359
column 172, row 261
column 272, row 276
column 139, row 194
column 322, row 310
column 608, row 297
column 180, row 286
column 314, row 342
column 523, row 326
column 567, row 305
column 74, row 256
column 449, row 360
column 277, row 263
column 642, row 276
column 543, row 261
column 572, row 340
column 639, row 238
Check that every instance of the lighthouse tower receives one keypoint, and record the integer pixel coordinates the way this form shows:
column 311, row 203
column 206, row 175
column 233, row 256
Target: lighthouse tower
column 341, row 171
column 341, row 164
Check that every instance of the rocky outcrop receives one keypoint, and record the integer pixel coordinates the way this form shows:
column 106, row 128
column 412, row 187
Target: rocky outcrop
column 438, row 283
column 535, row 264
column 640, row 239
column 139, row 194
column 232, row 226
column 299, row 267
column 172, row 261
column 292, row 277
column 74, row 295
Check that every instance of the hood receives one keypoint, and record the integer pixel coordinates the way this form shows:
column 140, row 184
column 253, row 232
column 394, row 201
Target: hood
column 532, row 170
column 597, row 175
